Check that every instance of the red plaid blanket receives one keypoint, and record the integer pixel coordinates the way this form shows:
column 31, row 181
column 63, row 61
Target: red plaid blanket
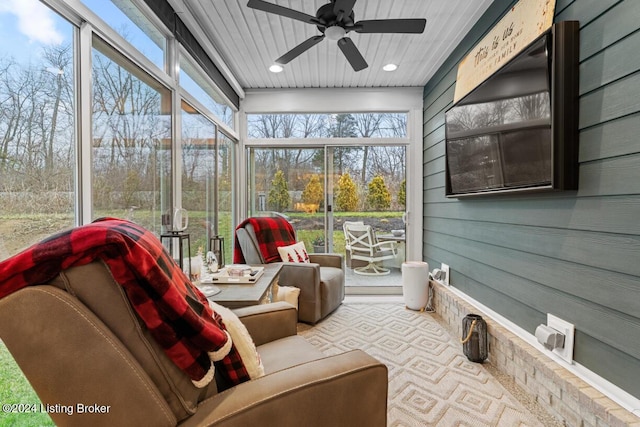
column 173, row 309
column 271, row 233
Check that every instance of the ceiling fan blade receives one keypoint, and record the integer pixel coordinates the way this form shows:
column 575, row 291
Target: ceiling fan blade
column 301, row 48
column 407, row 26
column 352, row 54
column 343, row 8
column 283, row 11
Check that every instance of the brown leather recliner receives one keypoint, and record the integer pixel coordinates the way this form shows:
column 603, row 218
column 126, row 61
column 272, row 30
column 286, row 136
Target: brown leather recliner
column 321, row 281
column 81, row 346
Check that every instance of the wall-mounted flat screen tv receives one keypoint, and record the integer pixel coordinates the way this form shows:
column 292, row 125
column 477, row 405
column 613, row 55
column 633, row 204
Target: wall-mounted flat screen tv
column 518, row 130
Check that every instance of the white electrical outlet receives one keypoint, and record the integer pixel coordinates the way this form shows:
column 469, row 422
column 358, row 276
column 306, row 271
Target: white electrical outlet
column 445, row 270
column 568, row 329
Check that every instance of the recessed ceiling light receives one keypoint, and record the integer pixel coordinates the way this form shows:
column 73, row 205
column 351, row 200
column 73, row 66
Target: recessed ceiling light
column 390, row 67
column 275, row 68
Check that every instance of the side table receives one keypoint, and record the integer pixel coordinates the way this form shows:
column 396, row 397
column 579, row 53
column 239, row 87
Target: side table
column 243, row 295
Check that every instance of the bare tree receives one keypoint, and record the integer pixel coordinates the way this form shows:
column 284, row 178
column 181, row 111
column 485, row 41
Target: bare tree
column 313, row 125
column 59, row 62
column 367, row 125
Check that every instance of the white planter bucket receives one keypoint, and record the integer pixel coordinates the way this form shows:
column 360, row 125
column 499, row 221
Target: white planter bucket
column 415, row 284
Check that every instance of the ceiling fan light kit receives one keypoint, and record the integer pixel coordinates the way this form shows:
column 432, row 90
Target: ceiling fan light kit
column 335, row 20
column 335, row 33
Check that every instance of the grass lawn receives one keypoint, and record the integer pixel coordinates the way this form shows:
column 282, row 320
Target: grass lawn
column 15, row 389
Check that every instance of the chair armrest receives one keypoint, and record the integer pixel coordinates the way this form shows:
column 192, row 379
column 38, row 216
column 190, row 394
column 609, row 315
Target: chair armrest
column 343, row 390
column 386, row 246
column 269, row 322
column 328, row 260
column 306, row 277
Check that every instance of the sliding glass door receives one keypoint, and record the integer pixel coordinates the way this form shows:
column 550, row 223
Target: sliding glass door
column 321, row 170
column 318, row 189
column 290, row 182
column 367, row 184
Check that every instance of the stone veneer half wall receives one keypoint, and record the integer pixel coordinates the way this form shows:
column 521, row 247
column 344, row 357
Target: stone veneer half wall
column 564, row 395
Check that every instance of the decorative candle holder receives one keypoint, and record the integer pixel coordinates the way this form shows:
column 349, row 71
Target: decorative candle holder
column 176, row 242
column 216, row 245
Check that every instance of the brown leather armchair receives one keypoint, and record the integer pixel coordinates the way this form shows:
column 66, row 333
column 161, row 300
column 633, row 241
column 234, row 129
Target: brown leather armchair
column 78, row 341
column 321, row 281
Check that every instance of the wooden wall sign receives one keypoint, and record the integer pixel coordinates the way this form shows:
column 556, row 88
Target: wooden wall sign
column 519, row 27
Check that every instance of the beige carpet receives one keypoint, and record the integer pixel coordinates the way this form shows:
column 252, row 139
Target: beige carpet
column 431, row 382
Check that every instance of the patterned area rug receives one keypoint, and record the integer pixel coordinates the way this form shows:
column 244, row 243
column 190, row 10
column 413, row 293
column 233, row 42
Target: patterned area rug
column 431, row 382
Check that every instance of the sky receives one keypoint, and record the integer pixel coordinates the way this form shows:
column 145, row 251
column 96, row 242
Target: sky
column 28, row 24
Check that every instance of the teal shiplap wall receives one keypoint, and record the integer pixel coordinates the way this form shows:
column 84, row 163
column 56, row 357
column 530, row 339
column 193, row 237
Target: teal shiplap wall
column 573, row 254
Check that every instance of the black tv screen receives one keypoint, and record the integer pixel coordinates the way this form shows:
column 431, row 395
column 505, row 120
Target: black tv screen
column 517, row 131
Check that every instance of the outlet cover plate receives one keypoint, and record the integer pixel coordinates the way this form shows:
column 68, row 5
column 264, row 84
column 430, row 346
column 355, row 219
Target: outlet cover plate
column 568, row 329
column 445, row 269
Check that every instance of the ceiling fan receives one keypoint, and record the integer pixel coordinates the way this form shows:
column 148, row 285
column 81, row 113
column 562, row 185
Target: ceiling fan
column 335, row 20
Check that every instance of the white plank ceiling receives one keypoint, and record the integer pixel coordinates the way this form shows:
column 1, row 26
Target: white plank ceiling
column 248, row 41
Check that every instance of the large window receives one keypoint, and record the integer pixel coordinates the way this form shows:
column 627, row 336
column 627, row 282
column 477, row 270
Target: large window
column 131, row 144
column 207, row 180
column 37, row 126
column 372, row 145
column 193, row 80
column 133, row 26
column 319, row 189
column 199, row 176
column 322, row 170
column 68, row 156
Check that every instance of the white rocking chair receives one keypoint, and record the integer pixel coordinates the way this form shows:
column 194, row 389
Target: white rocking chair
column 361, row 243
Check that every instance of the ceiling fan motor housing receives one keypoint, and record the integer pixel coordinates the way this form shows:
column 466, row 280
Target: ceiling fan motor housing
column 326, row 15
